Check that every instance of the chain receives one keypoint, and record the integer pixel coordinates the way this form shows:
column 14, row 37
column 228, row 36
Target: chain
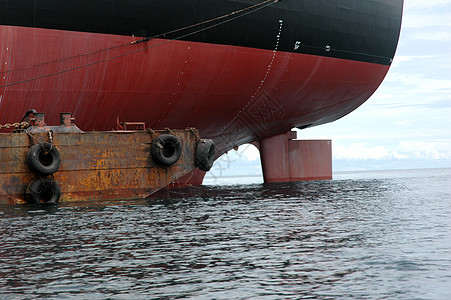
column 15, row 125
column 152, row 133
column 50, row 137
column 169, row 130
column 195, row 131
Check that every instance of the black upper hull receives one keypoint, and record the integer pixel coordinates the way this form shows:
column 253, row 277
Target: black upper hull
column 363, row 30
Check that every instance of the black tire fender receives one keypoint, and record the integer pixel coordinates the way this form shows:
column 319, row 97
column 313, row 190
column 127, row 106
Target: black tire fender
column 43, row 191
column 205, row 155
column 43, row 159
column 166, row 150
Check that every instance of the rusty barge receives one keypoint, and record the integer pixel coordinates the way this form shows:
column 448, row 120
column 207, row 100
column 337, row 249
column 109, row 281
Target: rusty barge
column 49, row 164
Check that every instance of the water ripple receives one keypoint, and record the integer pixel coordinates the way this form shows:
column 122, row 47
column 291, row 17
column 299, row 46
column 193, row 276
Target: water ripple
column 365, row 239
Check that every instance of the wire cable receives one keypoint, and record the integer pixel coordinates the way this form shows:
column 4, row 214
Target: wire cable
column 262, row 5
column 144, row 39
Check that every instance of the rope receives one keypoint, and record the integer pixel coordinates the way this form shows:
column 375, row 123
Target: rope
column 151, row 132
column 248, row 10
column 207, row 21
column 169, row 130
column 195, row 131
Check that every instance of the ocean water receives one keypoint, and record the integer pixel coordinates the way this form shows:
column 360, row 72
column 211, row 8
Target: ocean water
column 363, row 235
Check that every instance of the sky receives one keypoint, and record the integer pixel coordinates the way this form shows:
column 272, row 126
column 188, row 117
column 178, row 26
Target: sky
column 406, row 124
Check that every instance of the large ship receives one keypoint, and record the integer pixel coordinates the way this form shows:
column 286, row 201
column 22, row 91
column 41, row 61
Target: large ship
column 238, row 70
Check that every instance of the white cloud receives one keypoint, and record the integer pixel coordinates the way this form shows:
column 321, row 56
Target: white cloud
column 399, row 156
column 426, row 150
column 249, row 152
column 404, row 150
column 357, row 151
column 403, row 123
column 440, row 36
column 246, row 152
column 420, row 82
column 423, row 19
column 408, row 58
column 420, row 13
column 421, row 4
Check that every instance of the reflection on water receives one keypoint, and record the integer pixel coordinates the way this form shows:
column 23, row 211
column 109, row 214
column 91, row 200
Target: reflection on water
column 373, row 238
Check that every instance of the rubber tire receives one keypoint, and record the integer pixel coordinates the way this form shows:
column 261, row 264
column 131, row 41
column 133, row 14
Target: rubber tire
column 166, row 150
column 35, row 164
column 205, row 155
column 39, row 189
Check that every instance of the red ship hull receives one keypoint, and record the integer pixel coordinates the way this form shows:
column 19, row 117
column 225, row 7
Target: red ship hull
column 231, row 94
